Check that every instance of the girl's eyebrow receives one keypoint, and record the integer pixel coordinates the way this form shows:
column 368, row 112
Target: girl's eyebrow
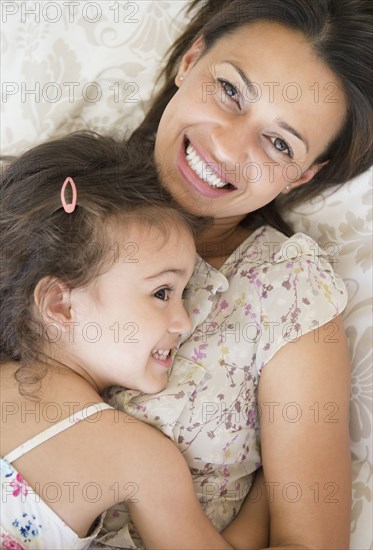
column 178, row 272
column 252, row 89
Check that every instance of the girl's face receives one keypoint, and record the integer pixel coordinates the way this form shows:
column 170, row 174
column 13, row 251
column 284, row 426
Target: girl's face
column 250, row 118
column 129, row 319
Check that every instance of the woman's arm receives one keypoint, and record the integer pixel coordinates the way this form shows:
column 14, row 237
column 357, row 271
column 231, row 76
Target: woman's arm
column 304, row 400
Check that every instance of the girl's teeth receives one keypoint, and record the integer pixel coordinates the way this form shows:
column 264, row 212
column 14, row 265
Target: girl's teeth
column 161, row 354
column 202, row 169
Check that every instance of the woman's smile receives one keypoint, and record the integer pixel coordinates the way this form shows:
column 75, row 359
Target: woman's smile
column 230, row 151
column 205, row 176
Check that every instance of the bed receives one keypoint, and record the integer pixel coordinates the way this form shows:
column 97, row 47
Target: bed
column 69, row 65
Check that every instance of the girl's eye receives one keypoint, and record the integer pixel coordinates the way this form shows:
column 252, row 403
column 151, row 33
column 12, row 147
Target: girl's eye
column 162, row 294
column 283, row 147
column 229, row 90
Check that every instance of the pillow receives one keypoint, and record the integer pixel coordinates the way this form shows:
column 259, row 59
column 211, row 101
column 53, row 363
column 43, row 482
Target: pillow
column 77, row 65
column 341, row 222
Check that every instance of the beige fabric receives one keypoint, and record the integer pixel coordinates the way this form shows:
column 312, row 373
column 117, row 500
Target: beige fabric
column 92, row 65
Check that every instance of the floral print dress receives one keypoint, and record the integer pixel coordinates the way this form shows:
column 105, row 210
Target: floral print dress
column 269, row 292
column 26, row 520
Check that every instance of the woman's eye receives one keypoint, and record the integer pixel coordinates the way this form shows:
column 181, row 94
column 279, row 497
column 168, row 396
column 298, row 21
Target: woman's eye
column 282, row 146
column 162, row 294
column 230, row 91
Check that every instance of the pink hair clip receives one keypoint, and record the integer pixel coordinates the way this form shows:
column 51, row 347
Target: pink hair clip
column 69, row 208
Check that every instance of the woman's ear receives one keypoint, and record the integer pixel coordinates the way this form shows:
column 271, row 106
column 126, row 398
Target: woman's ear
column 307, row 176
column 52, row 300
column 189, row 59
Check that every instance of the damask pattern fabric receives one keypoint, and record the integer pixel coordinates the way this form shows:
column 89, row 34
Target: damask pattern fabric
column 93, row 65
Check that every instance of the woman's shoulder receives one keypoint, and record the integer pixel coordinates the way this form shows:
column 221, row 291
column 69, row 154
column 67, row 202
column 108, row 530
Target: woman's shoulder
column 292, row 283
column 278, row 277
column 269, row 251
column 268, row 245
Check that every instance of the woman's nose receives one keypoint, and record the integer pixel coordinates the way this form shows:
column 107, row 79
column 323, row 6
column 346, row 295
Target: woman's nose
column 230, row 144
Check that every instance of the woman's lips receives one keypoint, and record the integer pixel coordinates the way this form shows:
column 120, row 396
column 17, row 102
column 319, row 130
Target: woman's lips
column 188, row 174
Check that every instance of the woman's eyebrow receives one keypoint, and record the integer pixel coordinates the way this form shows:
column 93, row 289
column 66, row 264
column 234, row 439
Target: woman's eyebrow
column 246, row 80
column 294, row 132
column 253, row 90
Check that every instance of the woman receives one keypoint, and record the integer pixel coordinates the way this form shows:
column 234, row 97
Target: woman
column 263, row 101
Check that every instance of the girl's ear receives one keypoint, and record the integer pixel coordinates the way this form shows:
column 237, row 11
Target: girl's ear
column 52, row 300
column 189, row 59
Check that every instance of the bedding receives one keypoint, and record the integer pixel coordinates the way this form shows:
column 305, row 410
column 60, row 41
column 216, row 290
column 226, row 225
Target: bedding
column 69, row 65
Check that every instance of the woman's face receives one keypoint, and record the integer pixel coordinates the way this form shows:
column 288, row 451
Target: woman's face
column 250, row 118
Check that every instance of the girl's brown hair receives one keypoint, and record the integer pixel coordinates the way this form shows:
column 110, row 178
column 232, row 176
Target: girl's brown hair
column 39, row 239
column 340, row 32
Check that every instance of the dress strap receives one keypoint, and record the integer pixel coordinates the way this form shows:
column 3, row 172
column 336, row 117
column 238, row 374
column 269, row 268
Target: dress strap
column 55, row 430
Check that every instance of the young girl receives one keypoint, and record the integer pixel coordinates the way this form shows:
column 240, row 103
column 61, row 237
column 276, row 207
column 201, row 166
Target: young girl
column 93, row 268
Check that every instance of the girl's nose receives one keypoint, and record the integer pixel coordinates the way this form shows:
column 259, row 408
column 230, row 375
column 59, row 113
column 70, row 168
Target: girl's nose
column 181, row 321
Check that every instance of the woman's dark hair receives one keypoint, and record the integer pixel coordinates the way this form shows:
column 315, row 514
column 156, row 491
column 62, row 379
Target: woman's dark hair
column 340, row 32
column 114, row 181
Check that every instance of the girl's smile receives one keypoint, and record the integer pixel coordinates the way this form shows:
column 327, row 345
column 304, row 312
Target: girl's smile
column 137, row 310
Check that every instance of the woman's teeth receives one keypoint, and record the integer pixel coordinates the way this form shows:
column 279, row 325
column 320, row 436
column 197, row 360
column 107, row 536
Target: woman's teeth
column 202, row 169
column 161, row 354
